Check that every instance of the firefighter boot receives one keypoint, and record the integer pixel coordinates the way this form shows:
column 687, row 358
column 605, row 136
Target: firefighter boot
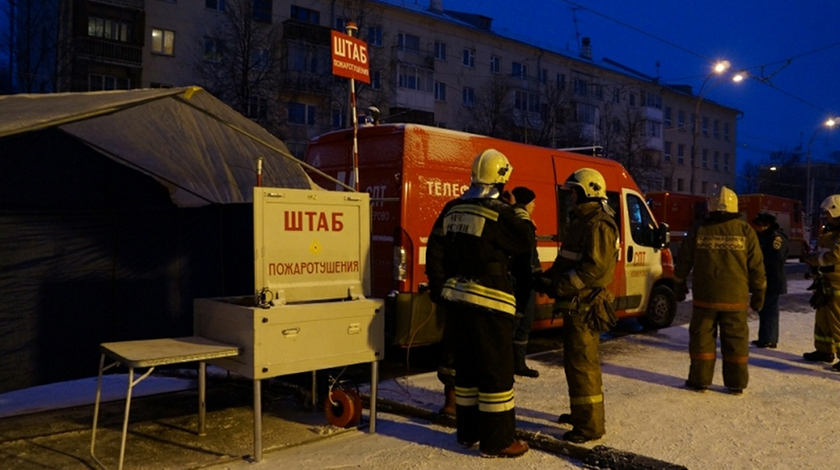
column 449, row 401
column 516, row 449
column 818, row 356
column 836, row 366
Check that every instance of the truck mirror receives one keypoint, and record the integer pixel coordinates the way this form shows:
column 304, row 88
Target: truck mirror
column 663, row 236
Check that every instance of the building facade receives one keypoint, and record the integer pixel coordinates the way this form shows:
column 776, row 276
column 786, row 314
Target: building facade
column 270, row 60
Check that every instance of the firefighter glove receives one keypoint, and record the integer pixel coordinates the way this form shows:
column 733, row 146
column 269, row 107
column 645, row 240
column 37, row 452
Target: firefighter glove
column 543, row 285
column 680, row 291
column 757, row 300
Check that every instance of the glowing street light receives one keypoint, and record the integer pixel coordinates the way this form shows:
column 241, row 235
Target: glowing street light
column 809, row 192
column 719, row 68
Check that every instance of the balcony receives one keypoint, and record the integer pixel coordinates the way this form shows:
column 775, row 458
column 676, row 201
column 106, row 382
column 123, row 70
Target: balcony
column 305, row 82
column 294, row 30
column 109, row 52
column 132, row 4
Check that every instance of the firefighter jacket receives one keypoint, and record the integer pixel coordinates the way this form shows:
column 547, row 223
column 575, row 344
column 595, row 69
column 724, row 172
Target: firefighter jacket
column 774, row 248
column 588, row 254
column 469, row 253
column 727, row 261
column 827, row 256
column 524, row 266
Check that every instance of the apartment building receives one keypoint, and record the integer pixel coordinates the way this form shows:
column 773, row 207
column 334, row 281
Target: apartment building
column 429, row 65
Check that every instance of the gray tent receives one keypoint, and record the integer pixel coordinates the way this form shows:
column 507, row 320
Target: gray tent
column 117, row 209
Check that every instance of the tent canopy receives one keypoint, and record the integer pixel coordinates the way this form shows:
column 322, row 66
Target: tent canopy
column 203, row 151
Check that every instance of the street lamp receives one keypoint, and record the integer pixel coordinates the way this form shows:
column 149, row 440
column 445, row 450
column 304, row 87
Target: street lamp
column 809, row 191
column 719, row 68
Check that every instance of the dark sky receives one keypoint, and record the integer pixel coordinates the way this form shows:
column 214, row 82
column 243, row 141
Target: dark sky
column 791, row 47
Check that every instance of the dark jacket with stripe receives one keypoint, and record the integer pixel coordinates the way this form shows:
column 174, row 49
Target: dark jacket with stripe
column 728, row 265
column 774, row 248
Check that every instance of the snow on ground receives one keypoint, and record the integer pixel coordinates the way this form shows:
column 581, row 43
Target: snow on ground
column 787, row 418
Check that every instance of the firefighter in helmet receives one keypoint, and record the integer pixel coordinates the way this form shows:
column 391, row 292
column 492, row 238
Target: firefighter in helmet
column 729, row 276
column 467, row 260
column 826, row 299
column 577, row 281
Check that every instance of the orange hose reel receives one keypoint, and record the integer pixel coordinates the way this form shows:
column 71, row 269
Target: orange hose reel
column 343, row 408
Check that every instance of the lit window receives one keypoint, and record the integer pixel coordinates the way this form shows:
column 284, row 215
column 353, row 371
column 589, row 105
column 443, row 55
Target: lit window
column 163, row 41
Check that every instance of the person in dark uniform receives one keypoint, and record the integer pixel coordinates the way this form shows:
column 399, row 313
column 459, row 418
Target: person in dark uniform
column 774, row 248
column 577, row 281
column 524, row 269
column 467, row 260
column 729, row 276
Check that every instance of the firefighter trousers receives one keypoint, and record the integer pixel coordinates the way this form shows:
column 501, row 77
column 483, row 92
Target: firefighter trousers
column 827, row 326
column 485, row 410
column 734, row 347
column 583, row 375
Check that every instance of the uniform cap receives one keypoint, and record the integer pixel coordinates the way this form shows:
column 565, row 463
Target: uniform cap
column 764, row 218
column 523, row 195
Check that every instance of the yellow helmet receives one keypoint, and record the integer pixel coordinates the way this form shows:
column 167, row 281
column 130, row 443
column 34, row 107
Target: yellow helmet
column 831, row 204
column 725, row 201
column 590, row 181
column 490, row 167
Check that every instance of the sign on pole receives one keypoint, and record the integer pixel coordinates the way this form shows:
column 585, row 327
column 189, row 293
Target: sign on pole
column 350, row 57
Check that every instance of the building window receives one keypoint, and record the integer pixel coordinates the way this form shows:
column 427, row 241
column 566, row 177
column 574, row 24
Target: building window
column 440, row 50
column 495, row 64
column 519, row 70
column 300, row 113
column 726, row 131
column 667, row 155
column 440, row 91
column 262, row 11
column 654, row 129
column 163, row 41
column 704, row 187
column 681, row 154
column 469, row 57
column 631, row 100
column 667, row 116
column 213, row 50
column 681, row 120
column 414, row 78
column 218, row 5
column 652, row 100
column 108, row 29
column 716, row 161
column 599, row 91
column 408, row 42
column 705, row 126
column 666, row 183
column 468, row 97
column 306, row 15
column 586, row 113
column 543, row 76
column 716, row 129
column 107, row 82
column 525, row 101
column 726, row 163
column 705, row 158
column 257, row 107
column 303, row 58
column 561, row 81
column 580, row 86
column 680, row 184
column 374, row 37
column 375, row 80
column 339, row 118
column 341, row 24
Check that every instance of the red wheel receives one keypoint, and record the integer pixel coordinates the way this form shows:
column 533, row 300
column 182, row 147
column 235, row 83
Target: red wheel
column 343, row 408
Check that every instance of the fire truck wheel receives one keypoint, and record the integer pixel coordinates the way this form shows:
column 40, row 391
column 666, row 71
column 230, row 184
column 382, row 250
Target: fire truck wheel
column 343, row 408
column 661, row 310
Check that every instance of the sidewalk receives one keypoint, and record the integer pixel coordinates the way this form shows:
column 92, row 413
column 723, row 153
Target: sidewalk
column 786, row 418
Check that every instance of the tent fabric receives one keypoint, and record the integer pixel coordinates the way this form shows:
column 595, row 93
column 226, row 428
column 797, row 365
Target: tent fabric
column 101, row 238
column 199, row 148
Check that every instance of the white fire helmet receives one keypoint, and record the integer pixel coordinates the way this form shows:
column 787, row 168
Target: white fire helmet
column 590, row 181
column 724, row 201
column 831, row 205
column 490, row 167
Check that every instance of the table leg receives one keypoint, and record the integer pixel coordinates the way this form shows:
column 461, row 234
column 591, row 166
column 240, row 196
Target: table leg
column 125, row 417
column 374, row 385
column 202, row 391
column 96, row 406
column 314, row 389
column 257, row 420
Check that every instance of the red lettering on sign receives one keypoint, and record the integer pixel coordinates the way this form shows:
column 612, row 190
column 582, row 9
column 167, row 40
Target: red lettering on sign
column 298, row 221
column 294, row 221
column 337, row 225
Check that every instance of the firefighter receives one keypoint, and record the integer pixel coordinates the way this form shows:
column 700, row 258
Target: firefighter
column 728, row 266
column 826, row 299
column 577, row 281
column 467, row 259
column 774, row 249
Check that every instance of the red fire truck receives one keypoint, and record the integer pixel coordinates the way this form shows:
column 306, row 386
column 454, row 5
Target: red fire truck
column 788, row 214
column 411, row 171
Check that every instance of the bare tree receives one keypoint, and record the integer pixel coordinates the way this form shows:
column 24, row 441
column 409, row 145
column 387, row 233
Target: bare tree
column 30, row 43
column 240, row 62
column 557, row 127
column 492, row 111
column 626, row 138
